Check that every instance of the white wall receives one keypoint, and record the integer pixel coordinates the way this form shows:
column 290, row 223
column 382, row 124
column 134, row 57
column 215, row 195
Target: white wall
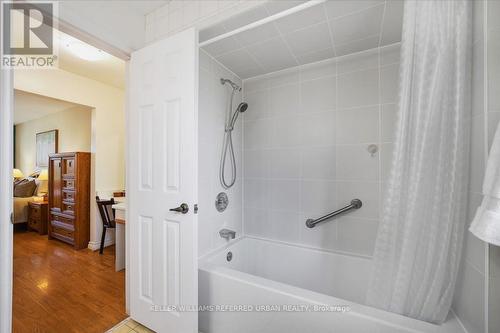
column 108, row 126
column 213, row 102
column 306, row 135
column 470, row 296
column 74, row 132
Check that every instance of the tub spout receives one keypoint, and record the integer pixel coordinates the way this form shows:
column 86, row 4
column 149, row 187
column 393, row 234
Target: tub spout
column 227, row 234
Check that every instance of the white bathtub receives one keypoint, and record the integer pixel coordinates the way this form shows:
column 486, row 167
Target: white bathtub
column 264, row 272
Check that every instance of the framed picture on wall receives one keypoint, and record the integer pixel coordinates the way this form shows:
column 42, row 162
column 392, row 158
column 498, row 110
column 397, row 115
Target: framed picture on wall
column 46, row 143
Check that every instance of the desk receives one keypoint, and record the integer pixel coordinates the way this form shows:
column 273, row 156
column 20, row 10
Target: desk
column 120, row 235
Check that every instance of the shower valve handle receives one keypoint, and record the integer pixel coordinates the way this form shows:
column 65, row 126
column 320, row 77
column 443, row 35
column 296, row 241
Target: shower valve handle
column 183, row 208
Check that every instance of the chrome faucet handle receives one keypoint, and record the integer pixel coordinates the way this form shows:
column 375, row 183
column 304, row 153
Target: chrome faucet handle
column 227, row 234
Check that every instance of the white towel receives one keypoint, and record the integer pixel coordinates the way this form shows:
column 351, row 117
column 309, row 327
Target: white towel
column 486, row 223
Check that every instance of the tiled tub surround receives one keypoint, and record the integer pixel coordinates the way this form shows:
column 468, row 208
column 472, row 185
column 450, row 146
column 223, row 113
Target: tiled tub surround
column 470, row 300
column 213, row 101
column 306, row 134
column 493, row 118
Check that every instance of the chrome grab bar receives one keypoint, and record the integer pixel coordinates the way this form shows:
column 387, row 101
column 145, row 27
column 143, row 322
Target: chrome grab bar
column 355, row 204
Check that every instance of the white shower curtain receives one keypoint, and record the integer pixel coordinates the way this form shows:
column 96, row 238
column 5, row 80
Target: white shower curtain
column 419, row 242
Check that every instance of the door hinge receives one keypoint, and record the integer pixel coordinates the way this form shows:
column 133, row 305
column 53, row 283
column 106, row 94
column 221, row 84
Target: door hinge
column 12, row 217
column 195, row 208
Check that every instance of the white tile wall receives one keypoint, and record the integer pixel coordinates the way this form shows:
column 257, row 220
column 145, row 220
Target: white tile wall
column 493, row 118
column 212, row 107
column 320, row 32
column 470, row 293
column 357, row 25
column 178, row 15
column 306, row 134
column 358, row 88
column 469, row 302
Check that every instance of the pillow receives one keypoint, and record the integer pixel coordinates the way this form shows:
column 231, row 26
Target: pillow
column 19, row 181
column 24, row 189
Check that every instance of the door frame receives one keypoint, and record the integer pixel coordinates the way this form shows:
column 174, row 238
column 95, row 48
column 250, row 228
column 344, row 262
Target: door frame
column 6, row 201
column 6, row 166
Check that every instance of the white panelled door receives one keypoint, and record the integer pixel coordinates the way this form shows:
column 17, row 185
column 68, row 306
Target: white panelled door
column 162, row 128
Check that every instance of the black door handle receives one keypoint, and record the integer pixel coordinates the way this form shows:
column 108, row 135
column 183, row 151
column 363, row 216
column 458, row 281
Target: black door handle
column 183, row 208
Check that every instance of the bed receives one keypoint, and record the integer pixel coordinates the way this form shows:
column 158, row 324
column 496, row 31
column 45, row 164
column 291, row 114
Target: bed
column 21, row 207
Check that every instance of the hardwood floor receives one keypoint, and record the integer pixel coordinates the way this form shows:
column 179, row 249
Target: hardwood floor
column 58, row 289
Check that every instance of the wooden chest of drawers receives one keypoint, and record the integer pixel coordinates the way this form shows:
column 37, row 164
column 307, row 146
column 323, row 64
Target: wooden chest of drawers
column 69, row 198
column 38, row 216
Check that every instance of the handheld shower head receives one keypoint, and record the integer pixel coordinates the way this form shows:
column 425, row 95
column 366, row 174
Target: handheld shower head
column 242, row 107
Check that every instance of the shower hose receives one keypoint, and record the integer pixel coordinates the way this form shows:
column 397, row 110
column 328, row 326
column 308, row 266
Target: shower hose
column 227, row 147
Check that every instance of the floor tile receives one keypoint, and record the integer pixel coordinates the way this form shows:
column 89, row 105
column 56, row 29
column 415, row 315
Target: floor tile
column 131, row 323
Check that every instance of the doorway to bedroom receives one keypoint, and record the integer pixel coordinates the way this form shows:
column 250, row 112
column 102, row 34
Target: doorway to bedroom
column 69, row 161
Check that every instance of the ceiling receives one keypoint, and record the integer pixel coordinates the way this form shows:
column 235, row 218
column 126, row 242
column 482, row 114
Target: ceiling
column 117, row 22
column 109, row 70
column 28, row 106
column 329, row 29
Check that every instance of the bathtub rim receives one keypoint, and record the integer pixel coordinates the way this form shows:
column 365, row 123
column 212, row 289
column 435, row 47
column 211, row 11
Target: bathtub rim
column 363, row 311
column 232, row 242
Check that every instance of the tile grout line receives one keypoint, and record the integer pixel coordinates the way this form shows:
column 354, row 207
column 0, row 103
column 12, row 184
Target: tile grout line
column 336, row 119
column 282, row 37
column 380, row 187
column 242, row 152
column 301, row 165
column 382, row 25
column 330, row 31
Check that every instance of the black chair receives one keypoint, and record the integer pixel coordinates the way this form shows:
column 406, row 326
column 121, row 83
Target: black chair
column 107, row 217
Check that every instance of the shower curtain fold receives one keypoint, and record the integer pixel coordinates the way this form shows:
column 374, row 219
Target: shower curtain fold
column 419, row 241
